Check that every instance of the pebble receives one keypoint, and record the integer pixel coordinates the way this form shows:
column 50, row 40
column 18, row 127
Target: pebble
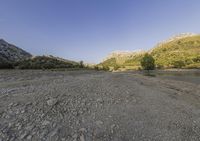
column 51, row 101
column 82, row 137
column 46, row 122
column 82, row 130
column 99, row 123
column 29, row 137
column 23, row 135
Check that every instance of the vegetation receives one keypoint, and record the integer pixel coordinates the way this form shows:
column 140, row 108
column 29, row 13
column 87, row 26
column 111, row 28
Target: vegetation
column 178, row 53
column 81, row 64
column 45, row 62
column 148, row 62
column 6, row 65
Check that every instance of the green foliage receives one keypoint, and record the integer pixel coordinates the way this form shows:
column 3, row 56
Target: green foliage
column 96, row 68
column 110, row 62
column 116, row 67
column 178, row 53
column 148, row 62
column 44, row 62
column 178, row 64
column 105, row 68
column 6, row 65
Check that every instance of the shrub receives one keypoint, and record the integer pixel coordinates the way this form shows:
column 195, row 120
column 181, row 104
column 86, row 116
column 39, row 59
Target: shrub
column 148, row 62
column 178, row 64
column 116, row 67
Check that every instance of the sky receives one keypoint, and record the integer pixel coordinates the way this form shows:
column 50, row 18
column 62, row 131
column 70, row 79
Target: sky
column 89, row 30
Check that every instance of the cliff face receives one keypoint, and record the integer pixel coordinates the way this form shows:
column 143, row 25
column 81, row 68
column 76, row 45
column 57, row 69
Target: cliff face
column 10, row 53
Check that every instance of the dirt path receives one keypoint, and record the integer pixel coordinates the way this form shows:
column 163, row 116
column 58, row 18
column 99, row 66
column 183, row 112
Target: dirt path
column 96, row 106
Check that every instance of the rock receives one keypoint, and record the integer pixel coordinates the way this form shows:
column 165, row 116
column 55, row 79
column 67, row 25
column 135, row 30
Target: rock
column 99, row 123
column 29, row 137
column 100, row 100
column 46, row 122
column 23, row 135
column 11, row 104
column 23, row 111
column 52, row 101
column 82, row 130
column 82, row 138
column 75, row 136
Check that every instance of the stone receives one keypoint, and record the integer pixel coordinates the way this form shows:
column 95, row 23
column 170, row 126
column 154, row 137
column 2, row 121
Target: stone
column 46, row 122
column 29, row 137
column 99, row 123
column 82, row 138
column 51, row 101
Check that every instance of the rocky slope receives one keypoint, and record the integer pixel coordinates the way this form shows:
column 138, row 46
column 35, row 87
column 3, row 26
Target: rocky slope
column 11, row 53
column 14, row 57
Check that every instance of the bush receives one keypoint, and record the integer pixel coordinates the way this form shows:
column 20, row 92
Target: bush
column 178, row 64
column 116, row 67
column 106, row 68
column 148, row 62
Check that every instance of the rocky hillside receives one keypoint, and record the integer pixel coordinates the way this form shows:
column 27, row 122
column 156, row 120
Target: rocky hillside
column 181, row 51
column 10, row 54
column 14, row 57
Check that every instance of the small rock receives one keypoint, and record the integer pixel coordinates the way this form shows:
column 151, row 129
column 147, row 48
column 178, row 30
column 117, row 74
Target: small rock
column 23, row 135
column 23, row 111
column 51, row 101
column 29, row 137
column 99, row 123
column 82, row 138
column 46, row 122
column 100, row 100
column 75, row 136
column 82, row 130
column 10, row 105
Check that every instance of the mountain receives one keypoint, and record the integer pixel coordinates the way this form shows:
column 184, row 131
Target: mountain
column 180, row 51
column 10, row 54
column 15, row 57
column 183, row 51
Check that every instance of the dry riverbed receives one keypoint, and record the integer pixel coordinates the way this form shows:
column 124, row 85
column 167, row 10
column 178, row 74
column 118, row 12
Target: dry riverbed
column 96, row 106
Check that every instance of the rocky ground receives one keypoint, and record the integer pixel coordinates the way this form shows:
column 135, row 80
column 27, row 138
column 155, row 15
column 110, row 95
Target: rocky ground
column 96, row 106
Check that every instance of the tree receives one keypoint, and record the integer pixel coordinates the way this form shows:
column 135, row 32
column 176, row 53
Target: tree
column 148, row 62
column 81, row 64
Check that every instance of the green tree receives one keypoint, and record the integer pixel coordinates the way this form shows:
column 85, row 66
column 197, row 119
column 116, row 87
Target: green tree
column 81, row 64
column 148, row 62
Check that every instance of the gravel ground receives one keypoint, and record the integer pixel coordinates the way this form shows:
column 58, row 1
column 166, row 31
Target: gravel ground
column 96, row 106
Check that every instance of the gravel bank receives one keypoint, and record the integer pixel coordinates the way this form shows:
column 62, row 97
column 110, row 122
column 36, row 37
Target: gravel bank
column 96, row 106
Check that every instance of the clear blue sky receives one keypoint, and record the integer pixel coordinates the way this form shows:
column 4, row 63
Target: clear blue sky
column 90, row 29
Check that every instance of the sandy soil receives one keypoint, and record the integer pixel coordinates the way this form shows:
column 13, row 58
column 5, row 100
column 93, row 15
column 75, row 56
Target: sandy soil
column 96, row 106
